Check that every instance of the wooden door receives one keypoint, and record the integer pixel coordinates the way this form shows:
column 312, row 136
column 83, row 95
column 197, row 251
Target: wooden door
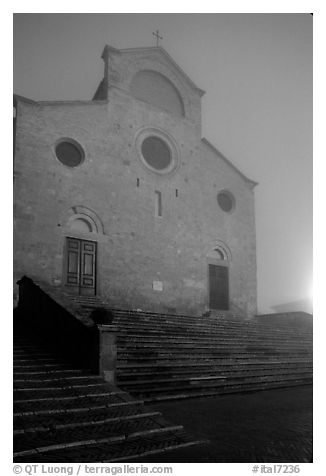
column 81, row 266
column 218, row 287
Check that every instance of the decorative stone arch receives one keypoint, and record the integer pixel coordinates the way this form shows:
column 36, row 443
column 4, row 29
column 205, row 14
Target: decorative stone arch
column 157, row 89
column 219, row 252
column 86, row 218
column 218, row 260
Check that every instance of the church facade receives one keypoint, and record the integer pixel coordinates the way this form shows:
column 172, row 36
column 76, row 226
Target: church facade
column 121, row 197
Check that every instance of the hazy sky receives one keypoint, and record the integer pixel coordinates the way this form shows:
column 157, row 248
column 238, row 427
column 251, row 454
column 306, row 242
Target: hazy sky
column 256, row 70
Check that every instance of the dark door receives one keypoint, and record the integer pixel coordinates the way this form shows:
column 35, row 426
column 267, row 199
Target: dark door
column 81, row 266
column 218, row 287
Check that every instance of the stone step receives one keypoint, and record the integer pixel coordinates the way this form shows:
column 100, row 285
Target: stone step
column 152, row 398
column 158, row 343
column 110, row 450
column 170, row 363
column 26, row 346
column 164, row 347
column 67, row 402
column 214, row 361
column 213, row 345
column 161, row 357
column 87, row 299
column 157, row 384
column 152, row 372
column 48, row 420
column 218, row 347
column 133, row 378
column 171, row 381
column 24, row 361
column 151, row 337
column 190, row 364
column 159, row 332
column 28, row 355
column 182, row 339
column 55, row 391
column 211, row 356
column 211, row 325
column 148, row 392
column 35, row 374
column 56, row 382
column 90, row 431
column 80, row 410
column 221, row 318
column 19, row 368
column 226, row 317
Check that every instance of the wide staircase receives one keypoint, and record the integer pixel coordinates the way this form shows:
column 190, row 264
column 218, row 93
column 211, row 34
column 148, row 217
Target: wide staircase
column 166, row 357
column 65, row 413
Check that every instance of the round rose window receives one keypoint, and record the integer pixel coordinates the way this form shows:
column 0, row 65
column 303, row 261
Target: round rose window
column 156, row 153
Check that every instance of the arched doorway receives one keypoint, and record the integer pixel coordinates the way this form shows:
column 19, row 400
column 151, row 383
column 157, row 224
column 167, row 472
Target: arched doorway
column 80, row 264
column 218, row 278
column 80, row 251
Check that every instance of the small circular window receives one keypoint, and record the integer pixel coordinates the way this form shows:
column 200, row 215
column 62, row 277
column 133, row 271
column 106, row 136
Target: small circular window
column 69, row 153
column 226, row 201
column 156, row 153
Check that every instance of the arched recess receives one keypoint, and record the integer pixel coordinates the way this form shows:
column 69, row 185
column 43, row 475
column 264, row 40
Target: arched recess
column 79, row 218
column 218, row 261
column 219, row 252
column 155, row 88
column 81, row 230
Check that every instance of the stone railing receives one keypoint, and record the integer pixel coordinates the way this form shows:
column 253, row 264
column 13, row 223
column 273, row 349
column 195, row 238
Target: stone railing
column 91, row 346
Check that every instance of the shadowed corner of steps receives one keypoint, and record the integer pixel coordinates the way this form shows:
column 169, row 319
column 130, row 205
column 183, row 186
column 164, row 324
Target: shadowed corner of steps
column 102, row 316
column 68, row 414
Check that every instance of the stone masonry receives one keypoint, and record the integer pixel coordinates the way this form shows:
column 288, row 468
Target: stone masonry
column 156, row 263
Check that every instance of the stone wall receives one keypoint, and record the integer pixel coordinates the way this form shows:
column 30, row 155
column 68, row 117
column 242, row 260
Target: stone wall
column 136, row 249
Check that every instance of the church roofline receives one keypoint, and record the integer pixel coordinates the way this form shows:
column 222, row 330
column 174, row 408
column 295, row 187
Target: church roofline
column 212, row 147
column 18, row 98
column 73, row 102
column 161, row 50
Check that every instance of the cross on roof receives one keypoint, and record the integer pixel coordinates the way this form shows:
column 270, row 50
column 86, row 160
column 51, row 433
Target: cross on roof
column 157, row 36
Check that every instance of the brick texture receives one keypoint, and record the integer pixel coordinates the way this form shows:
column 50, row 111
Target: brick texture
column 136, row 247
